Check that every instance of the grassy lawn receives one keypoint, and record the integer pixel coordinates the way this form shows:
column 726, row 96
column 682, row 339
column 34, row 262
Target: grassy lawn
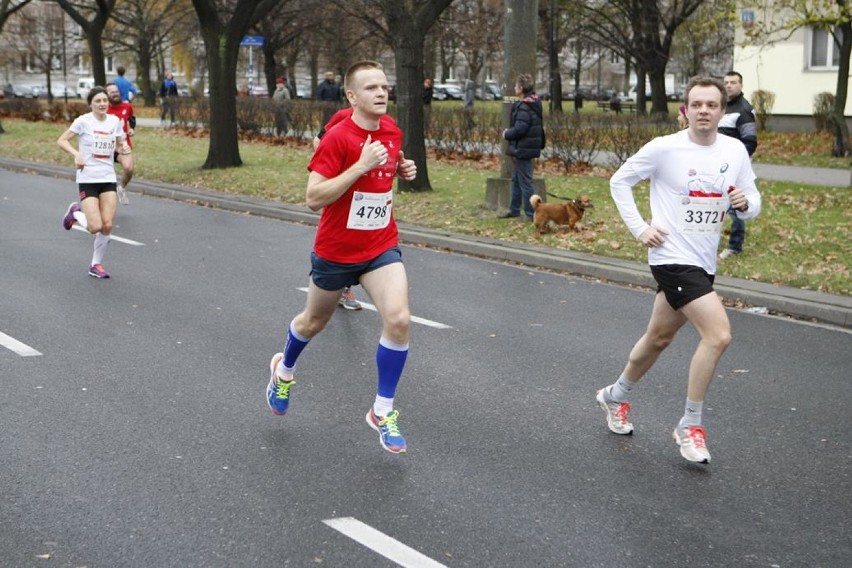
column 801, row 239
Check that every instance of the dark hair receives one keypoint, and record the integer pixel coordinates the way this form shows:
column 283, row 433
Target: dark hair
column 526, row 82
column 120, row 70
column 355, row 67
column 94, row 91
column 732, row 73
column 707, row 81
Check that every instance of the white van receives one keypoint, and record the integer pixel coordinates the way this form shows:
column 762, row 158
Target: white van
column 83, row 86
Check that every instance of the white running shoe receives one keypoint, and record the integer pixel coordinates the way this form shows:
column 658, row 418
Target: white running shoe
column 727, row 253
column 122, row 195
column 616, row 414
column 693, row 443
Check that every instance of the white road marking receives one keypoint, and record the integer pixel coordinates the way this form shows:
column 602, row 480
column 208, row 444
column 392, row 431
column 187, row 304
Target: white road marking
column 113, row 237
column 414, row 319
column 14, row 345
column 381, row 543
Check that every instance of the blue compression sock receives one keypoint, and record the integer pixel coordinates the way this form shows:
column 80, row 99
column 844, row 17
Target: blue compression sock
column 390, row 359
column 293, row 348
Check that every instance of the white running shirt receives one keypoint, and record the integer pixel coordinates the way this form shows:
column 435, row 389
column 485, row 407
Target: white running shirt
column 98, row 142
column 689, row 195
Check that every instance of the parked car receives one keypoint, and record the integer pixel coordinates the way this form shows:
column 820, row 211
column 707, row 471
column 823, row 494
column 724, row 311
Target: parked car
column 447, row 91
column 495, row 91
column 303, row 91
column 483, row 94
column 83, row 86
column 58, row 90
column 18, row 91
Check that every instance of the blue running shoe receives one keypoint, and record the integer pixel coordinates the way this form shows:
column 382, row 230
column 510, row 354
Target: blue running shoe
column 388, row 429
column 278, row 392
column 69, row 220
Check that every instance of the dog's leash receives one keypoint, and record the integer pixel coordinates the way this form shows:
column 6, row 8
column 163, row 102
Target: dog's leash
column 560, row 197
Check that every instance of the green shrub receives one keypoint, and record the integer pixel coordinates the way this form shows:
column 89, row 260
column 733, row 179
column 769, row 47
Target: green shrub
column 762, row 101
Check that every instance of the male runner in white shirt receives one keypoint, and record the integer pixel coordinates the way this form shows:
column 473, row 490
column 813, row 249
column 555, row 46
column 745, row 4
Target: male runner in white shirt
column 695, row 175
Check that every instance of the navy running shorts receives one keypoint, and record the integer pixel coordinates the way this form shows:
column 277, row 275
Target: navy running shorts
column 681, row 284
column 335, row 276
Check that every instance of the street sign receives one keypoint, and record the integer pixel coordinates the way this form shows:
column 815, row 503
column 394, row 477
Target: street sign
column 252, row 41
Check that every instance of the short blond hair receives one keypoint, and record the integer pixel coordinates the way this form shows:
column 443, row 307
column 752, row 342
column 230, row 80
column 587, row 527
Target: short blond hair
column 359, row 66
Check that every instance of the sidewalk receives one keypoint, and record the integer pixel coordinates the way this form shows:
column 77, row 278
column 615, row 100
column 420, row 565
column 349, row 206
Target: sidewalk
column 805, row 304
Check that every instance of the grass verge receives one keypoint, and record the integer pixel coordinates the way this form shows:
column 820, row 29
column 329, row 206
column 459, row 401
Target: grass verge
column 801, row 238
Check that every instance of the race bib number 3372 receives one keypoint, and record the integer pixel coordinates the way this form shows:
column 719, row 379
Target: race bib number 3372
column 701, row 215
column 370, row 211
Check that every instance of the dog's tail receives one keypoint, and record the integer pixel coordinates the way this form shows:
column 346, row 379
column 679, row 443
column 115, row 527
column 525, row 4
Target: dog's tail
column 534, row 201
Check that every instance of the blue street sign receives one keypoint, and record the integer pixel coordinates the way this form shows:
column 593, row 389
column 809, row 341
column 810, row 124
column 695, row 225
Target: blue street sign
column 252, row 41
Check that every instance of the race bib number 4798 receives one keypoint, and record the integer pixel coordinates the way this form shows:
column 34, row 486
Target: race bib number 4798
column 701, row 214
column 370, row 211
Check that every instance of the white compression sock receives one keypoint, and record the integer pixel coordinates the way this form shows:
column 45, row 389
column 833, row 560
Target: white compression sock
column 101, row 243
column 80, row 217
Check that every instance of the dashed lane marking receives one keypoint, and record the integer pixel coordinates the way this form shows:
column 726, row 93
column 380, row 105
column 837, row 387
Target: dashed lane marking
column 415, row 319
column 381, row 543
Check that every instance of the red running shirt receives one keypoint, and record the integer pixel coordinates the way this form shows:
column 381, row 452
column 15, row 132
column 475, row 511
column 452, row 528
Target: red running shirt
column 339, row 149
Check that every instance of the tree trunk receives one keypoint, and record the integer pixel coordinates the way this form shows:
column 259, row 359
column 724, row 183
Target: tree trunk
column 224, row 148
column 841, row 146
column 143, row 74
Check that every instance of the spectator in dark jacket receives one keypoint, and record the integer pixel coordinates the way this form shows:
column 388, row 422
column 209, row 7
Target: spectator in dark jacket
column 526, row 138
column 738, row 123
column 328, row 91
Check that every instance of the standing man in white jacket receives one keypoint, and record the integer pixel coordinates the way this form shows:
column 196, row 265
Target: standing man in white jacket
column 696, row 174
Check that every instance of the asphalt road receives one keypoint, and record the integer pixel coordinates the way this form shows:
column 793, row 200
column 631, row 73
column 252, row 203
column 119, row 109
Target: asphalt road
column 139, row 434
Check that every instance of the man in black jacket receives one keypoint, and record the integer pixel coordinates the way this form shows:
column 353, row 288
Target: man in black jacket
column 738, row 123
column 526, row 138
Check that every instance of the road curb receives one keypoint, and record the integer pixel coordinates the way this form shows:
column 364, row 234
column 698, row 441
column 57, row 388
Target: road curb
column 806, row 304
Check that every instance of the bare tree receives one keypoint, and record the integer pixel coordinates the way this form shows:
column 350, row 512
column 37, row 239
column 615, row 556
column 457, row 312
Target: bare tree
column 475, row 22
column 92, row 17
column 40, row 30
column 144, row 28
column 645, row 30
column 7, row 8
column 223, row 25
column 404, row 26
column 832, row 16
column 703, row 43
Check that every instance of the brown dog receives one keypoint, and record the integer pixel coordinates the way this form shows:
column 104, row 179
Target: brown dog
column 549, row 215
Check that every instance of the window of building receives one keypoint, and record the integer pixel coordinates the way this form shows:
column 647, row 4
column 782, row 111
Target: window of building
column 824, row 51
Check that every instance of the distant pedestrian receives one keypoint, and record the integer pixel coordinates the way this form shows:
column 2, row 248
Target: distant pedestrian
column 615, row 103
column 695, row 175
column 578, row 101
column 469, row 97
column 739, row 123
column 281, row 96
column 428, row 92
column 168, row 98
column 125, row 87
